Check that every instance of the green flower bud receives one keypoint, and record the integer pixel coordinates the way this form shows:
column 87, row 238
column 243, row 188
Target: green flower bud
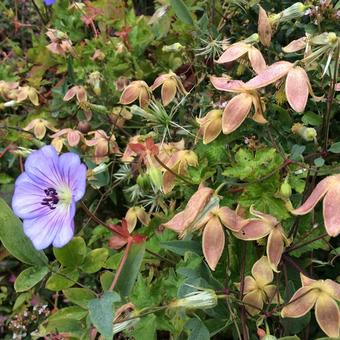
column 202, row 299
column 286, row 189
column 156, row 177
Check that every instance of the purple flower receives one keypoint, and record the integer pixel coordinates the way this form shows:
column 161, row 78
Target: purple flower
column 49, row 2
column 45, row 196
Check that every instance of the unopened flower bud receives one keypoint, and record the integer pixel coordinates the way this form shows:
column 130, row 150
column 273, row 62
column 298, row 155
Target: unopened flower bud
column 307, row 133
column 84, row 126
column 156, row 177
column 202, row 299
column 286, row 189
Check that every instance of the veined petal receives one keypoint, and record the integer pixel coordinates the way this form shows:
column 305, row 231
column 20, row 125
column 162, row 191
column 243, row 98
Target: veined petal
column 296, row 88
column 264, row 28
column 230, row 219
column 73, row 138
column 27, row 198
column 159, row 81
column 254, row 230
column 270, row 75
column 302, row 302
column 130, row 94
column 262, row 271
column 331, row 211
column 55, row 227
column 327, row 315
column 275, row 247
column 168, row 91
column 73, row 173
column 177, row 223
column 249, row 284
column 224, row 84
column 213, row 240
column 256, row 60
column 42, row 167
column 253, row 298
column 236, row 112
column 212, row 131
column 233, row 52
column 319, row 191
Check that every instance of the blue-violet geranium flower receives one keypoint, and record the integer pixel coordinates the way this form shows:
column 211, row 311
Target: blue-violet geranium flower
column 45, row 196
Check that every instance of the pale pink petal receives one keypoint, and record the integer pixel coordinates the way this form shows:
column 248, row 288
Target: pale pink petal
column 236, row 112
column 262, row 271
column 73, row 138
column 213, row 242
column 168, row 91
column 177, row 223
column 264, row 28
column 319, row 191
column 159, row 81
column 230, row 219
column 130, row 94
column 296, row 88
column 259, row 107
column 61, row 133
column 224, row 84
column 331, row 211
column 254, row 230
column 256, row 60
column 31, row 125
column 39, row 130
column 212, row 131
column 70, row 94
column 306, row 281
column 295, row 45
column 233, row 52
column 271, row 294
column 168, row 181
column 302, row 302
column 275, row 247
column 327, row 315
column 334, row 289
column 249, row 284
column 144, row 97
column 117, row 242
column 253, row 298
column 270, row 75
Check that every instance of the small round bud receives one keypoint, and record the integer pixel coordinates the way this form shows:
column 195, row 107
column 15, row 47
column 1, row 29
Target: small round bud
column 84, row 126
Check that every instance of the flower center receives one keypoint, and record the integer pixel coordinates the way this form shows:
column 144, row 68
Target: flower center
column 65, row 195
column 51, row 200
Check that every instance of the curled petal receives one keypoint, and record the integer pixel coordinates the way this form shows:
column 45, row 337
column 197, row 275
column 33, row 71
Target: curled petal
column 233, row 52
column 270, row 75
column 264, row 28
column 159, row 81
column 81, row 94
column 262, row 271
column 70, row 94
column 168, row 92
column 317, row 194
column 275, row 247
column 131, row 219
column 236, row 112
column 253, row 302
column 224, row 84
column 212, row 131
column 253, row 230
column 296, row 88
column 230, row 219
column 259, row 108
column 331, row 212
column 301, row 303
column 130, row 94
column 327, row 315
column 213, row 242
column 249, row 284
column 295, row 45
column 256, row 60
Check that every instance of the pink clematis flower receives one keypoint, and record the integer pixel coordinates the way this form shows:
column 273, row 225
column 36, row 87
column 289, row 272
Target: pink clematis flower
column 39, row 126
column 138, row 89
column 239, row 106
column 210, row 125
column 329, row 188
column 297, row 85
column 258, row 288
column 261, row 226
column 76, row 91
column 136, row 213
column 322, row 294
column 73, row 137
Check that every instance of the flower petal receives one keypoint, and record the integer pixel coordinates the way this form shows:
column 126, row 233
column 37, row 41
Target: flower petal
column 270, row 75
column 333, row 288
column 249, row 284
column 73, row 173
column 256, row 60
column 39, row 130
column 213, row 240
column 331, row 212
column 55, row 227
column 327, row 315
column 254, row 230
column 295, row 45
column 233, row 52
column 212, row 131
column 42, row 167
column 306, row 281
column 230, row 219
column 302, row 302
column 224, row 84
column 262, row 271
column 253, row 298
column 71, row 92
column 168, row 91
column 296, row 88
column 159, row 81
column 271, row 294
column 73, row 138
column 177, row 223
column 319, row 191
column 264, row 28
column 130, row 94
column 275, row 247
column 236, row 112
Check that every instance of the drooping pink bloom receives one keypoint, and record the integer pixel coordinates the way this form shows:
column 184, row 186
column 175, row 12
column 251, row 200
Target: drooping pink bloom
column 329, row 189
column 210, row 125
column 39, row 126
column 73, row 136
column 321, row 294
column 138, row 89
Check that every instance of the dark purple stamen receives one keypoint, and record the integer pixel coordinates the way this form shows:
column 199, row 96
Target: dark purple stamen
column 52, row 198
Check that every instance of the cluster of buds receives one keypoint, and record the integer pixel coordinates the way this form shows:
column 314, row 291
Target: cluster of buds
column 139, row 89
column 60, row 43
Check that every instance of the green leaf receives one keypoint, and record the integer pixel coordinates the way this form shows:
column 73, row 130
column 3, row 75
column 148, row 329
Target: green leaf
column 181, row 247
column 131, row 268
column 73, row 254
column 95, row 260
column 146, row 328
column 335, row 148
column 102, row 313
column 106, row 279
column 73, row 328
column 15, row 241
column 181, row 11
column 197, row 330
column 79, row 296
column 73, row 312
column 21, row 299
column 29, row 278
column 311, row 118
column 63, row 279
